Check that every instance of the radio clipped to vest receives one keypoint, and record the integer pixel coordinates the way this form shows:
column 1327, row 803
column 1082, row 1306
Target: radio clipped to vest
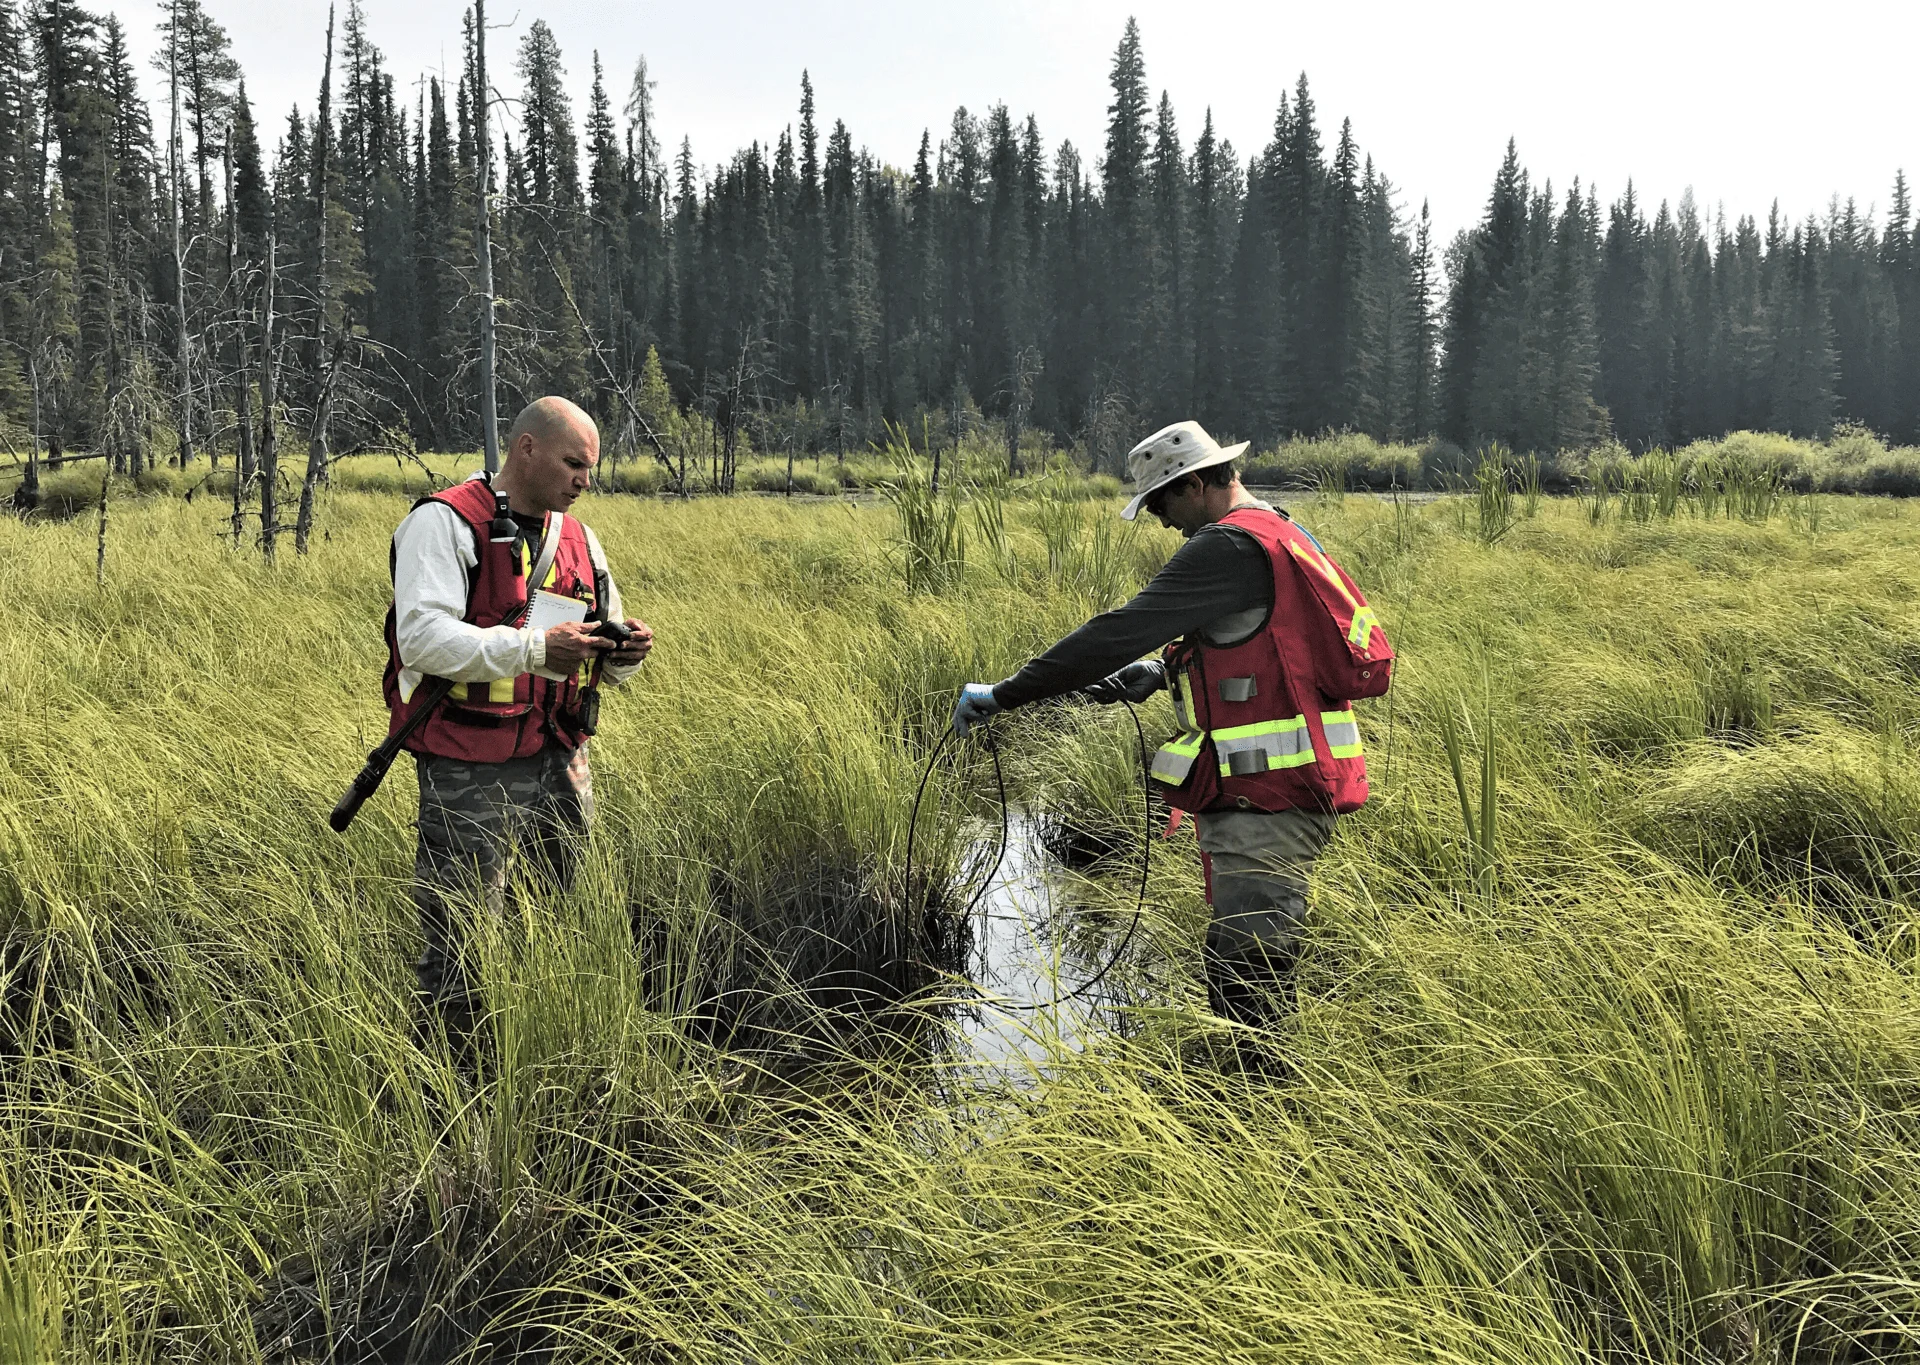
column 587, row 714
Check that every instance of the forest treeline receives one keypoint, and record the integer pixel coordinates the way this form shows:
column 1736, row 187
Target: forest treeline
column 173, row 275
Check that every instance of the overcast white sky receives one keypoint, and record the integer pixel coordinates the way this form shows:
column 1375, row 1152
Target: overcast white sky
column 1744, row 100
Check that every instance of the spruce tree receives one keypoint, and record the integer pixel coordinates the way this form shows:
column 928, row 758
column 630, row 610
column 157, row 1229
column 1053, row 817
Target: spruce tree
column 1214, row 200
column 1804, row 363
column 605, row 267
column 1624, row 315
column 1572, row 419
column 808, row 252
column 1421, row 410
column 1130, row 240
column 1004, row 304
column 1170, row 318
column 1347, row 364
column 1900, row 259
column 1499, row 390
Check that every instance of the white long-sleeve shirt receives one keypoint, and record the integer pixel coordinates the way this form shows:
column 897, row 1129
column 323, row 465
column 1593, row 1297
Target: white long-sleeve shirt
column 433, row 560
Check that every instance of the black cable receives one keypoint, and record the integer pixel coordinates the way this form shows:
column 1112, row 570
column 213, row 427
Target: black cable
column 986, row 883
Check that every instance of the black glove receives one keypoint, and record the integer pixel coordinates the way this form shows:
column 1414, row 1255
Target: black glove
column 1135, row 683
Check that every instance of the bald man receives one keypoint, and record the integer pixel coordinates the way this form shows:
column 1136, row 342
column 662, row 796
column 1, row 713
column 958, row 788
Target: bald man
column 503, row 760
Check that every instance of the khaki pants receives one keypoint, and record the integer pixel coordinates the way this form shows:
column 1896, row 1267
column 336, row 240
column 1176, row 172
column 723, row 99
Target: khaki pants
column 1257, row 864
column 477, row 822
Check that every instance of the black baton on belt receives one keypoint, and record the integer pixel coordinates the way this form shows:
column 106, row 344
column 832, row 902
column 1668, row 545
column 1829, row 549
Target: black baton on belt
column 369, row 778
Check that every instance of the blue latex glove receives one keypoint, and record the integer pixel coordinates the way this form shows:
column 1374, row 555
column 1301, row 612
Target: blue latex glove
column 1135, row 683
column 975, row 706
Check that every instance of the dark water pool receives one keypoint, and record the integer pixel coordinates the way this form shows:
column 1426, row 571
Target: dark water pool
column 1032, row 950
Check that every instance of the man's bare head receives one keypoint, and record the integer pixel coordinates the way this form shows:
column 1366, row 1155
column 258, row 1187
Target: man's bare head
column 551, row 452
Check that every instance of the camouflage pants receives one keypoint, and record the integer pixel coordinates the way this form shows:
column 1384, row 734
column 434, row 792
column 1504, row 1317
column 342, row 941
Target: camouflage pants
column 1257, row 864
column 482, row 824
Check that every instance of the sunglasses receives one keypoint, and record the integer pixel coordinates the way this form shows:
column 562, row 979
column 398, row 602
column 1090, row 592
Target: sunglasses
column 1156, row 503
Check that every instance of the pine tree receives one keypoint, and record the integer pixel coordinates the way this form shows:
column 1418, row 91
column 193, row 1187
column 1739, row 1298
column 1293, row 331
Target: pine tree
column 962, row 238
column 1388, row 326
column 1463, row 329
column 809, row 292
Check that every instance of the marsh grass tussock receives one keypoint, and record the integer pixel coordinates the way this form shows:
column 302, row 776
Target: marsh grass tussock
column 1658, row 1099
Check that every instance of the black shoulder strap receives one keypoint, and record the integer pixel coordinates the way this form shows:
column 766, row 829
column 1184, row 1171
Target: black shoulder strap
column 479, row 549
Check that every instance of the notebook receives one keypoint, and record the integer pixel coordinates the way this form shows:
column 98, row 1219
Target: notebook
column 550, row 609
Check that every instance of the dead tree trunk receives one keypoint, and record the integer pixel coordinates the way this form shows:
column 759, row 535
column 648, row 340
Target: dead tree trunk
column 242, row 381
column 237, row 349
column 100, row 546
column 184, row 452
column 489, row 414
column 317, row 447
column 27, row 496
column 269, row 436
column 323, row 374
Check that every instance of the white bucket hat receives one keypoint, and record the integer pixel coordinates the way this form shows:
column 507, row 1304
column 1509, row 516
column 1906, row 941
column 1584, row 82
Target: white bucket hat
column 1172, row 453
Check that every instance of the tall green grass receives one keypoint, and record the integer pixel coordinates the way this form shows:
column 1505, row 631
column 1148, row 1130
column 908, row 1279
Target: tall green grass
column 1658, row 1099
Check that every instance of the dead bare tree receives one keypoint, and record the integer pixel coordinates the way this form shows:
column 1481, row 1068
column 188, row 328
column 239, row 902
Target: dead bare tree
column 27, row 496
column 749, row 367
column 483, row 246
column 269, row 435
column 100, row 546
column 182, row 347
column 236, row 293
column 317, row 456
column 324, row 374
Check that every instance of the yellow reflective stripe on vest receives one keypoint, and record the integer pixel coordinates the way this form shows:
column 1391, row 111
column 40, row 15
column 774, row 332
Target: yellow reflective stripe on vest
column 1360, row 634
column 1244, row 750
column 500, row 690
column 1173, row 760
column 1343, row 733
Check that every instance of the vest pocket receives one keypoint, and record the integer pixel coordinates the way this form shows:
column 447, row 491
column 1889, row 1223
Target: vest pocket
column 1239, row 689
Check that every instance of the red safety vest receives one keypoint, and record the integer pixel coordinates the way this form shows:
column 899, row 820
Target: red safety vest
column 491, row 722
column 1268, row 724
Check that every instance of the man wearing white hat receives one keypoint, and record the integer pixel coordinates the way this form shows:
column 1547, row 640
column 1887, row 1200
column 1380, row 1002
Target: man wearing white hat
column 1273, row 640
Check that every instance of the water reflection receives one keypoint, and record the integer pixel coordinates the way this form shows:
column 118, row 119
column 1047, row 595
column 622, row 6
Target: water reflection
column 1032, row 954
